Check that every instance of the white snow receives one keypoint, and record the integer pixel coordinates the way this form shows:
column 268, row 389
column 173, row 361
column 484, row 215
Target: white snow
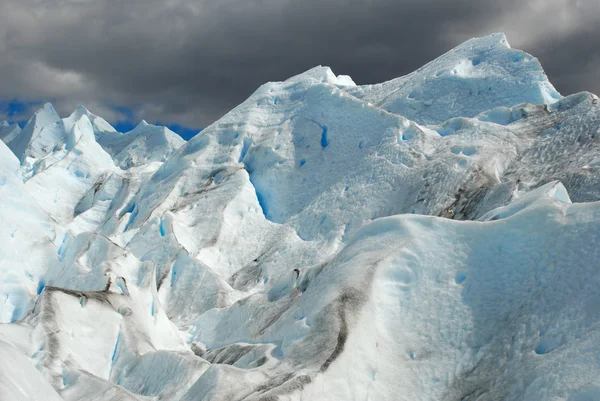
column 434, row 237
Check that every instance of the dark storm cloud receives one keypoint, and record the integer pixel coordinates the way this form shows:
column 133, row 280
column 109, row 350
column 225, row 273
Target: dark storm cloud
column 190, row 62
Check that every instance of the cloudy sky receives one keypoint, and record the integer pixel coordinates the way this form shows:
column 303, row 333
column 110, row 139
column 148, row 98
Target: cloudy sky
column 189, row 62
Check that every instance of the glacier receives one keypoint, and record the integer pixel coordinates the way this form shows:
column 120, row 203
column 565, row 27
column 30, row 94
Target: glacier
column 433, row 237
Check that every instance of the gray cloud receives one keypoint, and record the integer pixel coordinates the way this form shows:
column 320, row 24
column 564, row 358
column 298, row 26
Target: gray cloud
column 189, row 62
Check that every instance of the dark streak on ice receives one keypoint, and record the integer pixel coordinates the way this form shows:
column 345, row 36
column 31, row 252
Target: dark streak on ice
column 347, row 301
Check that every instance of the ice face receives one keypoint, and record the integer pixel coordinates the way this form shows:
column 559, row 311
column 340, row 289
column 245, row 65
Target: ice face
column 478, row 75
column 431, row 237
column 43, row 117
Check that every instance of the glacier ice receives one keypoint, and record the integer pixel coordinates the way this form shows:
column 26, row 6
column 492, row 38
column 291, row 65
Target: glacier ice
column 431, row 237
column 476, row 76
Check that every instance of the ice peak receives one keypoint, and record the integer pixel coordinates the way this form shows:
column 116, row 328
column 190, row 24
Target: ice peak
column 46, row 113
column 82, row 110
column 43, row 117
column 319, row 73
column 323, row 74
column 145, row 128
column 493, row 40
column 79, row 112
column 8, row 131
column 142, row 124
column 48, row 107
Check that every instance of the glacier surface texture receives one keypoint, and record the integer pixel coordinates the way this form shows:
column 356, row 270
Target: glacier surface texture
column 434, row 237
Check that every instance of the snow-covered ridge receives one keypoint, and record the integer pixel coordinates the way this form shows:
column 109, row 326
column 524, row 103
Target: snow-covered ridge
column 431, row 237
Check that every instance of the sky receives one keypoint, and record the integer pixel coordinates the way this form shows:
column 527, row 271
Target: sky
column 186, row 63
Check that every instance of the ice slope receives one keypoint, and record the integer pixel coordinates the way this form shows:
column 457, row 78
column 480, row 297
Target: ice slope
column 19, row 380
column 65, row 186
column 321, row 241
column 478, row 75
column 313, row 170
column 27, row 249
column 422, row 308
column 74, row 171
